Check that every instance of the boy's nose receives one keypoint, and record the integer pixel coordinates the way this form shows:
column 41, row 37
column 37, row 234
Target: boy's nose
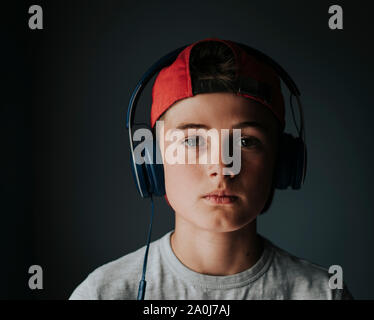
column 221, row 165
column 220, row 170
column 218, row 174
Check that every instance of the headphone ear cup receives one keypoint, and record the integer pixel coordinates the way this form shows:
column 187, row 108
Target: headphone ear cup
column 299, row 165
column 290, row 164
column 141, row 184
column 155, row 171
column 150, row 174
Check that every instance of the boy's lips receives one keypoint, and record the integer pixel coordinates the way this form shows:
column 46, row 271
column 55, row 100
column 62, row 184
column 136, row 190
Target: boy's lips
column 220, row 197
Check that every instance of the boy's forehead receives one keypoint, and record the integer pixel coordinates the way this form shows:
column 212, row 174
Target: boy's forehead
column 218, row 109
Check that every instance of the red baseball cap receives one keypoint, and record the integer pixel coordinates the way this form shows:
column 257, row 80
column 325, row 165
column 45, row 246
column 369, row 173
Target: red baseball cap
column 255, row 80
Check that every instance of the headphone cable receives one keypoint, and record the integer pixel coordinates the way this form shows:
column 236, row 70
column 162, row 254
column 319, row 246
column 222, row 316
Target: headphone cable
column 143, row 283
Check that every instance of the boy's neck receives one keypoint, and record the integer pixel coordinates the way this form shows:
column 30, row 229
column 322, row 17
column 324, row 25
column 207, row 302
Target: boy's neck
column 216, row 253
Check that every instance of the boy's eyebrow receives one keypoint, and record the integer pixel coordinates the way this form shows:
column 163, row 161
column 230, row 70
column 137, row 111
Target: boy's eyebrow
column 240, row 125
column 185, row 126
column 253, row 124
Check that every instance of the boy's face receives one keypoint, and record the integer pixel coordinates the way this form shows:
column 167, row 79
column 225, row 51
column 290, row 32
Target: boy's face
column 188, row 184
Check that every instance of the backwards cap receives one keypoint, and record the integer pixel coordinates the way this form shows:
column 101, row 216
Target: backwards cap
column 254, row 80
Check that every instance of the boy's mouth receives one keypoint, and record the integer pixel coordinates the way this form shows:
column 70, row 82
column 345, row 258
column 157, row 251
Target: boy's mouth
column 221, row 200
column 220, row 197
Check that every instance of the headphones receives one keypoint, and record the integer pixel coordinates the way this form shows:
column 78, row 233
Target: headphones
column 290, row 170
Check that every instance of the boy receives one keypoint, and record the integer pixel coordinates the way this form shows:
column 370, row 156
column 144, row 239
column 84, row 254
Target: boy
column 214, row 251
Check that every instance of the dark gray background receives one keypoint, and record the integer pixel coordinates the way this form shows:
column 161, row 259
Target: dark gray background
column 69, row 202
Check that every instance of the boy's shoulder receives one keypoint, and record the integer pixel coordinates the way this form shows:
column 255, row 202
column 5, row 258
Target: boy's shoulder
column 302, row 278
column 295, row 265
column 117, row 278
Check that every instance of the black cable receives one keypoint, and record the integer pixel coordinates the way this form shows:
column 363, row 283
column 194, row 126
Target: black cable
column 143, row 283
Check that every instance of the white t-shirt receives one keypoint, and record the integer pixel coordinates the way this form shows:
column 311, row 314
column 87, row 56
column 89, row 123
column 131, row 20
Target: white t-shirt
column 276, row 275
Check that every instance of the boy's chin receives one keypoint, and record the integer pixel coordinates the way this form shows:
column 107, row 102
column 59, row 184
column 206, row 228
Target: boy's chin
column 224, row 220
column 225, row 227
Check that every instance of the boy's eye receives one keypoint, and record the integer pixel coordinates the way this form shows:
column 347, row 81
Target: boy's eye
column 244, row 142
column 247, row 142
column 193, row 141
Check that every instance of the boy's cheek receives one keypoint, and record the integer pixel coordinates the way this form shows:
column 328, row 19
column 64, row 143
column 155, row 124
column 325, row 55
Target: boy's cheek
column 177, row 174
column 178, row 186
column 256, row 175
column 181, row 180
